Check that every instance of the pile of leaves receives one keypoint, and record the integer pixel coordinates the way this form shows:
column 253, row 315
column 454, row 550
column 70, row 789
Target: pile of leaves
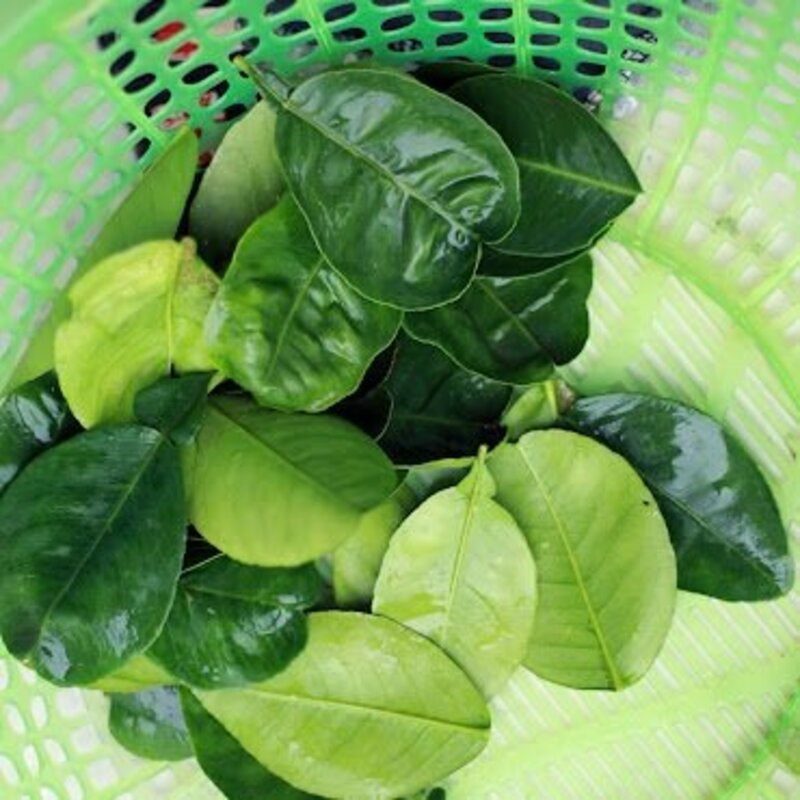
column 303, row 491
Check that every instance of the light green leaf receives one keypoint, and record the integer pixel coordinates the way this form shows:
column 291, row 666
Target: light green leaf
column 279, row 489
column 460, row 572
column 226, row 763
column 92, row 540
column 135, row 675
column 356, row 562
column 243, row 181
column 607, row 577
column 285, row 326
column 152, row 210
column 150, row 724
column 399, row 184
column 135, row 317
column 368, row 709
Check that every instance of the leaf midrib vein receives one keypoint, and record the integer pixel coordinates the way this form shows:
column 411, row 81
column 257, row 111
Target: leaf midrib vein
column 304, row 289
column 578, row 177
column 483, row 285
column 689, row 511
column 325, row 702
column 612, row 669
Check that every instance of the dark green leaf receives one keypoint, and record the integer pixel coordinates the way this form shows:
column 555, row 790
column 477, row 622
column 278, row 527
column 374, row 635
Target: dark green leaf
column 370, row 413
column 150, row 724
column 227, row 764
column 505, row 265
column 174, row 405
column 92, row 540
column 32, row 418
column 278, row 489
column 233, row 624
column 443, row 75
column 439, row 409
column 723, row 520
column 574, row 179
column 399, row 184
column 427, row 479
column 152, row 210
column 285, row 326
column 243, row 181
column 513, row 329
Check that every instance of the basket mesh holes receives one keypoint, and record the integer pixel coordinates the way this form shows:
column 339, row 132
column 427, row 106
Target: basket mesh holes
column 14, row 719
column 19, row 117
column 7, row 228
column 48, row 794
column 102, row 773
column 8, row 771
column 293, row 27
column 340, row 12
column 31, row 191
column 546, row 17
column 349, row 35
column 499, row 37
column 545, row 39
column 52, row 204
column 40, row 55
column 451, row 39
column 644, row 10
column 44, row 261
column 121, row 63
column 148, row 10
column 31, row 759
column 65, row 273
column 275, row 7
column 546, row 63
column 65, row 150
column 398, row 23
column 449, row 15
column 22, row 250
column 74, row 788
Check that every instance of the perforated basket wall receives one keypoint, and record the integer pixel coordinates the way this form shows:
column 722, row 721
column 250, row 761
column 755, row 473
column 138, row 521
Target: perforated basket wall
column 697, row 296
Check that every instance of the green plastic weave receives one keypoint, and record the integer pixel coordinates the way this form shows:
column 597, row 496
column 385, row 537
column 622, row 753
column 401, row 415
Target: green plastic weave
column 697, row 296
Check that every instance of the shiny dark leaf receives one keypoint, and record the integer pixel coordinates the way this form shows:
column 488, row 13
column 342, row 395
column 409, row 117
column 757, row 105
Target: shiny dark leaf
column 233, row 624
column 443, row 75
column 92, row 536
column 574, row 179
column 439, row 410
column 505, row 265
column 287, row 327
column 32, row 418
column 227, row 764
column 513, row 330
column 174, row 405
column 150, row 724
column 399, row 184
column 723, row 520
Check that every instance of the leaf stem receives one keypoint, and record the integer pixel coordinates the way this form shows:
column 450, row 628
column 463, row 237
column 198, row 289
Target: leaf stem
column 274, row 90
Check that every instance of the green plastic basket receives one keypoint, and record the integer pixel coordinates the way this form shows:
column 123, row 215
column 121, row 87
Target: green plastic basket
column 697, row 296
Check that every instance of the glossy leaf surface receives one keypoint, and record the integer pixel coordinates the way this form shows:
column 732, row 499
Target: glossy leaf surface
column 346, row 719
column 288, row 328
column 722, row 517
column 606, row 570
column 281, row 489
column 574, row 179
column 227, row 764
column 513, row 329
column 150, row 724
column 243, row 181
column 136, row 675
column 399, row 184
column 357, row 561
column 439, row 410
column 233, row 624
column 174, row 406
column 459, row 571
column 92, row 535
column 33, row 418
column 135, row 317
column 497, row 264
column 425, row 480
column 152, row 210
